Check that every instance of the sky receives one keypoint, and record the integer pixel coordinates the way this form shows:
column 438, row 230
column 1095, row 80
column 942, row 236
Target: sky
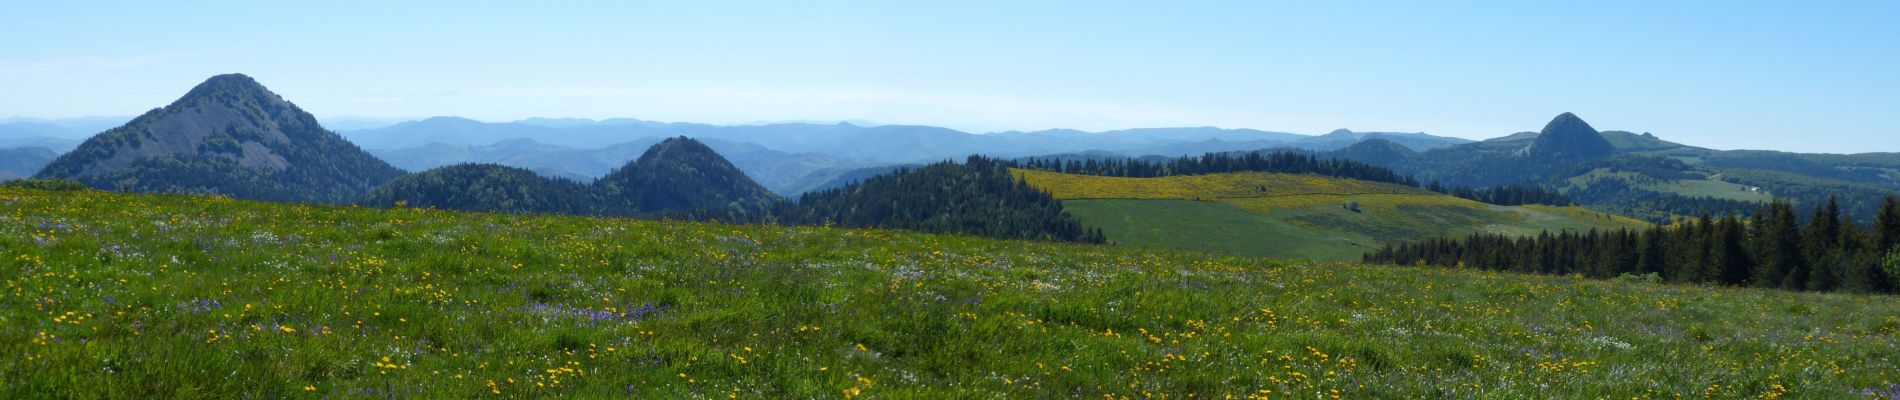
column 1782, row 75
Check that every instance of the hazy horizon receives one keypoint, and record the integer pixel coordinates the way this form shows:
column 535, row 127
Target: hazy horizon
column 1772, row 76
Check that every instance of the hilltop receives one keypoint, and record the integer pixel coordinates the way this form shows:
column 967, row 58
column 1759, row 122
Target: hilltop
column 680, row 174
column 231, row 136
column 1568, row 138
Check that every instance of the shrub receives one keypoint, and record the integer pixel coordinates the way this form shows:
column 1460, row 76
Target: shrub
column 45, row 184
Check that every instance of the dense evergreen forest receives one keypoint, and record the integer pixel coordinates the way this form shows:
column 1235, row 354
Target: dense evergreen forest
column 487, row 187
column 1508, row 195
column 977, row 197
column 1619, row 196
column 1773, row 248
column 1289, row 162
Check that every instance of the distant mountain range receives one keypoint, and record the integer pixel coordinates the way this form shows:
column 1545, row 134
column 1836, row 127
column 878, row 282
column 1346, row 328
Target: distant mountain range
column 1642, row 175
column 58, row 135
column 871, row 144
column 793, row 158
column 676, row 175
column 23, row 162
column 232, row 136
column 783, row 173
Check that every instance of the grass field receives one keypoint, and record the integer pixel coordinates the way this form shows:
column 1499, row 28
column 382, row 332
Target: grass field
column 142, row 296
column 1210, row 226
column 1296, row 216
column 1685, row 187
column 1709, row 188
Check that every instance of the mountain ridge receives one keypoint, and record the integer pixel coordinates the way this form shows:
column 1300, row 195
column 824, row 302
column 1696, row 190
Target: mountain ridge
column 228, row 135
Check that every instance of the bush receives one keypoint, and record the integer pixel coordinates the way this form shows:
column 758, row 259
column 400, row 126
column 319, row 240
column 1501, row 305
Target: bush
column 1644, row 278
column 45, row 184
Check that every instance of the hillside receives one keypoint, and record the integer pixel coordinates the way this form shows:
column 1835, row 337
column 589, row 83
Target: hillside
column 23, row 162
column 485, row 187
column 1290, row 215
column 783, row 173
column 977, row 197
column 160, row 296
column 677, row 175
column 1644, row 175
column 680, row 174
column 231, row 136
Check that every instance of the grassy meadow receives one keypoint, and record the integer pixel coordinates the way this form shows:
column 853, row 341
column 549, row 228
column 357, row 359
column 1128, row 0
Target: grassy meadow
column 155, row 296
column 1294, row 216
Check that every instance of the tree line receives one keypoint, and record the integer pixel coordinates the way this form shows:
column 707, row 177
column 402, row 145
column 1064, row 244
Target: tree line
column 1290, row 162
column 1508, row 195
column 1773, row 248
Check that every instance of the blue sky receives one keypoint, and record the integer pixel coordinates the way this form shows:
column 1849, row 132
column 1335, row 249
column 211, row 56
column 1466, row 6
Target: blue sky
column 1804, row 76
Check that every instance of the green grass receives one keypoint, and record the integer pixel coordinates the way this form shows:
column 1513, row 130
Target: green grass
column 1709, row 188
column 122, row 296
column 1211, row 226
column 1298, row 216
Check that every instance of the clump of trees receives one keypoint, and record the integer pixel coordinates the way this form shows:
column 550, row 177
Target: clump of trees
column 977, row 197
column 1773, row 248
column 1508, row 195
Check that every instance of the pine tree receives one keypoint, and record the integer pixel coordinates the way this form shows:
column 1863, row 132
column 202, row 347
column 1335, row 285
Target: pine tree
column 1821, row 245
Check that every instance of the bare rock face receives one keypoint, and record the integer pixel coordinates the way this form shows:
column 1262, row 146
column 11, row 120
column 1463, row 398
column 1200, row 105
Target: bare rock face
column 229, row 135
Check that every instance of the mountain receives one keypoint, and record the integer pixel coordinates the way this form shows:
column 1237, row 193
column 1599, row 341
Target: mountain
column 65, row 128
column 57, row 145
column 677, row 176
column 57, row 135
column 231, row 136
column 349, row 123
column 484, row 187
column 778, row 171
column 1376, row 152
column 868, row 145
column 1644, row 176
column 23, row 162
column 1567, row 137
column 1342, row 138
column 831, row 178
column 681, row 174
